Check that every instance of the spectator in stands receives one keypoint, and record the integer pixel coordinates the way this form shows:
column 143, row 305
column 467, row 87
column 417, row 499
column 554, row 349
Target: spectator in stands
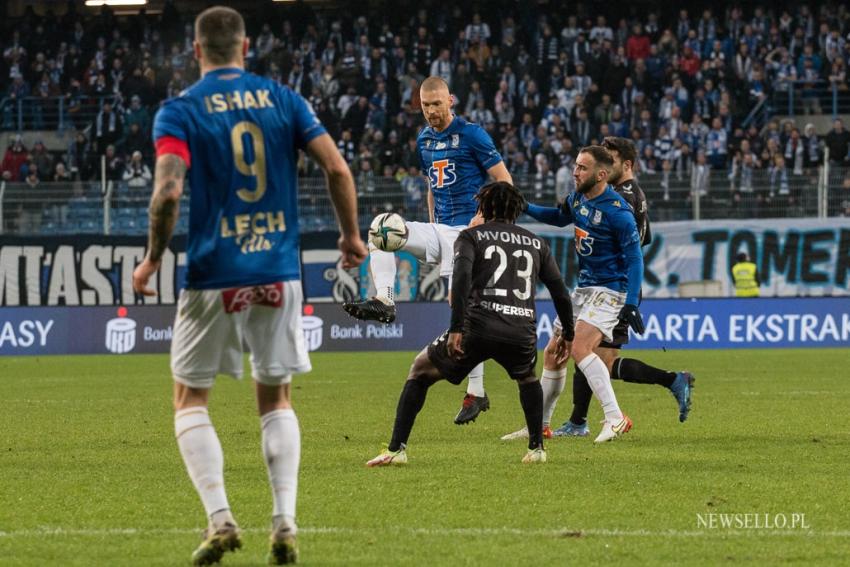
column 31, row 204
column 107, row 128
column 42, row 160
column 61, row 173
column 136, row 141
column 716, row 145
column 778, row 184
column 366, row 182
column 137, row 173
column 637, row 46
column 346, row 146
column 79, row 157
column 813, row 155
column 138, row 114
column 114, row 164
column 837, row 143
column 15, row 157
column 17, row 91
column 700, row 176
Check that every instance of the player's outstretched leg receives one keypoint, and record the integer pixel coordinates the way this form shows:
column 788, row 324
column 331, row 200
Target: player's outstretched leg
column 475, row 401
column 531, row 399
column 202, row 454
column 381, row 307
column 422, row 375
column 680, row 384
column 576, row 425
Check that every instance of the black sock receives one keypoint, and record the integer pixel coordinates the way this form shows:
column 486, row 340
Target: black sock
column 631, row 370
column 409, row 403
column 581, row 397
column 531, row 398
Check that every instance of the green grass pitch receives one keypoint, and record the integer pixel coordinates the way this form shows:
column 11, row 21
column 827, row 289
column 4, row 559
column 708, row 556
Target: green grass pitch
column 90, row 473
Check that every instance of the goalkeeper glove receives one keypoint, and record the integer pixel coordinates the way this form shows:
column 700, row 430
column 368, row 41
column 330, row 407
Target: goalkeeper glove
column 631, row 315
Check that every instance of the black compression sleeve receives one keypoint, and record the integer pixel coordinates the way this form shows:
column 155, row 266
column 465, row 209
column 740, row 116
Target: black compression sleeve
column 461, row 283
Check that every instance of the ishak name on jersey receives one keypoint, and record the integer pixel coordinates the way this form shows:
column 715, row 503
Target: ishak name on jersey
column 238, row 100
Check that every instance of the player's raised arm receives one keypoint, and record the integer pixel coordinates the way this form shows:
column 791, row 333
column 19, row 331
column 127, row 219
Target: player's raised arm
column 164, row 209
column 344, row 197
column 555, row 216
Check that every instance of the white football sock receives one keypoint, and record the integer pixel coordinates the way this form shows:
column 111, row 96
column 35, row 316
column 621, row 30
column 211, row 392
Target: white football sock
column 382, row 265
column 201, row 451
column 475, row 382
column 553, row 382
column 599, row 381
column 282, row 451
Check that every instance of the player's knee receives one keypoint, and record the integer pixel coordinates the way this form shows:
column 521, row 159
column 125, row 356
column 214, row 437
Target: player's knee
column 528, row 379
column 581, row 350
column 423, row 369
column 186, row 396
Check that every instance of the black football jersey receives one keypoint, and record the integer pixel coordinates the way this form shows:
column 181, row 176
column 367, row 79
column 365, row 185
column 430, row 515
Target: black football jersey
column 508, row 261
column 633, row 194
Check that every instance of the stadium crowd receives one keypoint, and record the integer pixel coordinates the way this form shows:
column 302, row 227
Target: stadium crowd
column 542, row 82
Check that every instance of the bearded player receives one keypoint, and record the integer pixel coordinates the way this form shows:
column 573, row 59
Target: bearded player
column 553, row 379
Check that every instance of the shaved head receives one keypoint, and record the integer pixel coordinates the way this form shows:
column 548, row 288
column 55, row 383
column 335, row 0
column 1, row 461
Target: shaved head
column 436, row 101
column 432, row 84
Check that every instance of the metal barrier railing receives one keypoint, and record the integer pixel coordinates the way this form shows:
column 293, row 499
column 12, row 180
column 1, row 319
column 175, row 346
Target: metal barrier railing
column 810, row 97
column 50, row 113
column 117, row 208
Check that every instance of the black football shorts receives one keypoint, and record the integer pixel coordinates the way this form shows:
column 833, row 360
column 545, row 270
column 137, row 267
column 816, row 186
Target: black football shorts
column 519, row 360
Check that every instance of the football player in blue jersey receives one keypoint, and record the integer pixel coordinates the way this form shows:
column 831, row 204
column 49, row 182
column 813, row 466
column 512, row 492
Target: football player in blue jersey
column 610, row 274
column 553, row 380
column 238, row 135
column 457, row 157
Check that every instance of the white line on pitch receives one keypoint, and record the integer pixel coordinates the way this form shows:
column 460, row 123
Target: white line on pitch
column 472, row 532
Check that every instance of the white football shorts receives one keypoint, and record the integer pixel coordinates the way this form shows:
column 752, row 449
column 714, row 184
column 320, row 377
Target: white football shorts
column 598, row 306
column 211, row 325
column 433, row 243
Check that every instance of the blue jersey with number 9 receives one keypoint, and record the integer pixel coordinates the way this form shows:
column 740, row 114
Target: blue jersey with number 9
column 243, row 134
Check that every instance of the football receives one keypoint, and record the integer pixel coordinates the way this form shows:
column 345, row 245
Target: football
column 388, row 232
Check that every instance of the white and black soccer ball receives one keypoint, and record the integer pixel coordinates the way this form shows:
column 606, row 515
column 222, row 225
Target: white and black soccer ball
column 388, row 232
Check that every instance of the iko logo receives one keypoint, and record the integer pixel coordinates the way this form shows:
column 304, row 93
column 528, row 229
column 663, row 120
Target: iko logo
column 121, row 333
column 313, row 329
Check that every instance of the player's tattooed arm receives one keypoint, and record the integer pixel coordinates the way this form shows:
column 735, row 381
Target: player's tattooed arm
column 165, row 203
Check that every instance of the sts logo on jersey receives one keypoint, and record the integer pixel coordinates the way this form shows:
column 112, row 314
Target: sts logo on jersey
column 442, row 173
column 584, row 242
